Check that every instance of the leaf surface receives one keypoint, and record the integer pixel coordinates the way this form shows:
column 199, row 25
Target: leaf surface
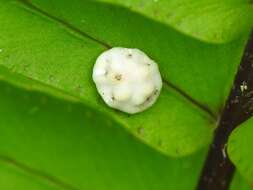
column 209, row 20
column 48, row 48
column 239, row 183
column 68, row 146
column 13, row 178
column 240, row 149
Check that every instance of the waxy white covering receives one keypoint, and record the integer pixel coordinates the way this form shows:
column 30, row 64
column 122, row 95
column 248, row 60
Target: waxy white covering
column 127, row 79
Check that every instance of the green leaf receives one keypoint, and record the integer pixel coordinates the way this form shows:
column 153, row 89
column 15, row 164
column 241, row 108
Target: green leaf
column 209, row 20
column 239, row 183
column 49, row 141
column 51, row 50
column 240, row 149
column 12, row 178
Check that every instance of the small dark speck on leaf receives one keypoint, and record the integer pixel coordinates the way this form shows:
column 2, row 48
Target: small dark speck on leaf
column 51, row 78
column 178, row 151
column 140, row 130
column 160, row 143
column 26, row 67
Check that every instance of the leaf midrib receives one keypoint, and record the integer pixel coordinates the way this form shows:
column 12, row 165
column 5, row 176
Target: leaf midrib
column 167, row 84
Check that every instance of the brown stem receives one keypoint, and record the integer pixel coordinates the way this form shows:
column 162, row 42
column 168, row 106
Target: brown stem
column 218, row 169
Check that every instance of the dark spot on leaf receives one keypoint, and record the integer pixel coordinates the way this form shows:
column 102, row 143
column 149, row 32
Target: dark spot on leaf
column 160, row 143
column 140, row 130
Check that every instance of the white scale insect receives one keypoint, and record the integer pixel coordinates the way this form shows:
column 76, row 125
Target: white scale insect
column 127, row 79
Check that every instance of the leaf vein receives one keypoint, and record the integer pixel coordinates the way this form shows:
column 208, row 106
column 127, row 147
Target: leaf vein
column 166, row 83
column 36, row 172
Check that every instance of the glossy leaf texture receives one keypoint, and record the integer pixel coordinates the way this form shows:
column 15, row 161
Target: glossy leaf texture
column 239, row 183
column 15, row 179
column 51, row 50
column 213, row 21
column 47, row 143
column 240, row 149
column 52, row 144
